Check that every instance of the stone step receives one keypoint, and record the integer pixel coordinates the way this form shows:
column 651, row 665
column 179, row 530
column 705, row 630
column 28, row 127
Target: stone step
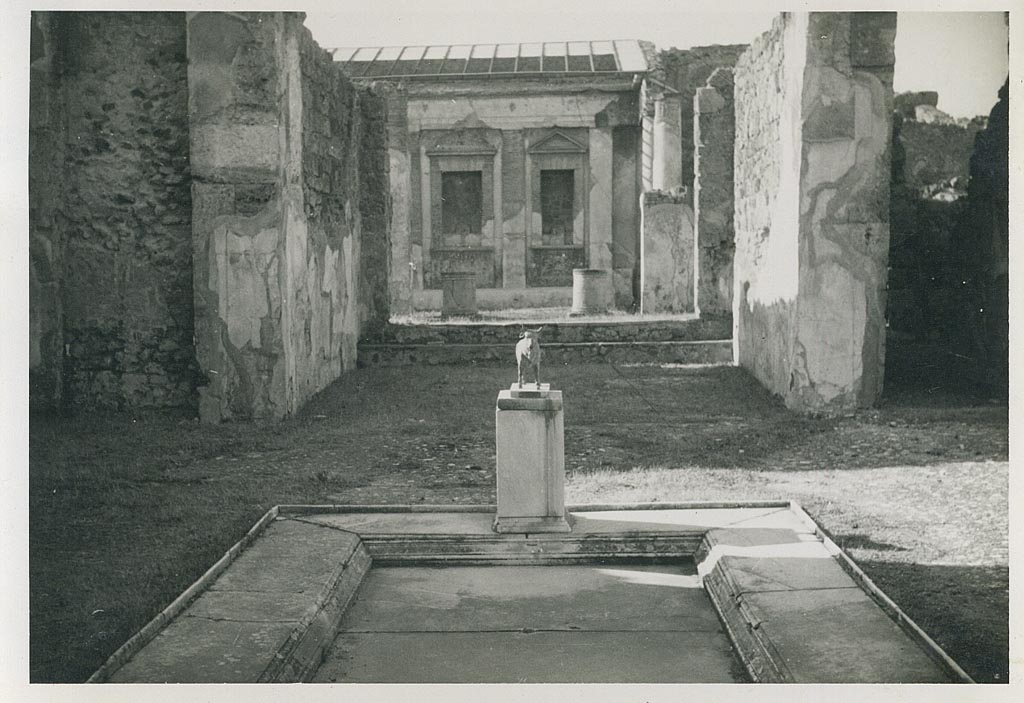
column 717, row 351
column 555, row 332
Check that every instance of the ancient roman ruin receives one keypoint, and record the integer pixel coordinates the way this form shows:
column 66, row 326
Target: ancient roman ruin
column 221, row 209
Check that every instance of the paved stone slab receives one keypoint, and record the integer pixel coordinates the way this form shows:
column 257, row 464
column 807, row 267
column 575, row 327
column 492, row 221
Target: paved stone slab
column 252, row 606
column 758, row 574
column 197, row 650
column 539, row 657
column 779, row 519
column 624, row 598
column 582, row 521
column 235, row 629
column 253, row 571
column 682, row 519
column 739, row 538
column 839, row 636
column 409, row 523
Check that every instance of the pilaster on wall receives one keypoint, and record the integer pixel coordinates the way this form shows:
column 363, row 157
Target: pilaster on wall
column 813, row 119
column 666, row 253
column 713, row 137
column 239, row 146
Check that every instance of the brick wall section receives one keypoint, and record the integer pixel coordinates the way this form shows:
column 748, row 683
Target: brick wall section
column 686, row 70
column 714, row 137
column 125, row 211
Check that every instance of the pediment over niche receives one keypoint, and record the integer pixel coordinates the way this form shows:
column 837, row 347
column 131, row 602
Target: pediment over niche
column 557, row 143
column 460, row 143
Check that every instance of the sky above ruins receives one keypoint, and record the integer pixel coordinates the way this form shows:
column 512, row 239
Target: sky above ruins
column 962, row 55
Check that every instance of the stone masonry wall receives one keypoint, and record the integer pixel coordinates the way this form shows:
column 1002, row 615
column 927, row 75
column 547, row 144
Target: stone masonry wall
column 276, row 141
column 767, row 90
column 374, row 210
column 984, row 247
column 930, row 173
column 113, row 168
column 688, row 70
column 713, row 136
column 816, row 338
column 47, row 148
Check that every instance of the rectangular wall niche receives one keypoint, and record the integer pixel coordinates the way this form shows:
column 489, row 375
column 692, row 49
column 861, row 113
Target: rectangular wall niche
column 556, row 206
column 461, row 196
column 462, row 203
column 556, row 232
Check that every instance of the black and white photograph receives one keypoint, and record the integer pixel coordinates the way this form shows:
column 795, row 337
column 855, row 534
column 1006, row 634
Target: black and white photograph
column 514, row 344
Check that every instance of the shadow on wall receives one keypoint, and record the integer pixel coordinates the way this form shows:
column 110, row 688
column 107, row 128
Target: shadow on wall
column 947, row 297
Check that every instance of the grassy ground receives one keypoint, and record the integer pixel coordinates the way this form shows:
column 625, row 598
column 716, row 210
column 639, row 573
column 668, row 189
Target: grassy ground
column 127, row 511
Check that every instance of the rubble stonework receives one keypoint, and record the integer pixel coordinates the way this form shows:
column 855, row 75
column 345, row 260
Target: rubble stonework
column 930, row 173
column 687, row 71
column 111, row 252
column 984, row 252
column 814, row 99
column 713, row 136
column 374, row 209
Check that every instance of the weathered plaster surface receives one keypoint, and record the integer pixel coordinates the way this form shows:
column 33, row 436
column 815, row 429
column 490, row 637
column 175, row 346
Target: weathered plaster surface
column 510, row 133
column 281, row 291
column 768, row 79
column 666, row 271
column 817, row 339
column 510, row 113
column 844, row 211
column 600, row 216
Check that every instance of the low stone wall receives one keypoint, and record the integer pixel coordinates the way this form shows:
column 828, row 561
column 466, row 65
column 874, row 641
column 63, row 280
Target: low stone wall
column 554, row 332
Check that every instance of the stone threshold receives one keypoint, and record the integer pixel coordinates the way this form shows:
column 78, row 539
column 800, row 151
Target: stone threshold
column 796, row 607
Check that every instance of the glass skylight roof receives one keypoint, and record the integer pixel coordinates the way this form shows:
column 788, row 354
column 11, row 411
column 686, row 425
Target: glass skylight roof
column 619, row 56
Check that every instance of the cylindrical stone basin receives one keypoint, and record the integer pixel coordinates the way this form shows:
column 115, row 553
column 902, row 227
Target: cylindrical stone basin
column 589, row 292
column 458, row 293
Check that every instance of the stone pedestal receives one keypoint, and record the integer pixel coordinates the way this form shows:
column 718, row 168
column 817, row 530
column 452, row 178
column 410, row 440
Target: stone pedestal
column 529, row 434
column 458, row 294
